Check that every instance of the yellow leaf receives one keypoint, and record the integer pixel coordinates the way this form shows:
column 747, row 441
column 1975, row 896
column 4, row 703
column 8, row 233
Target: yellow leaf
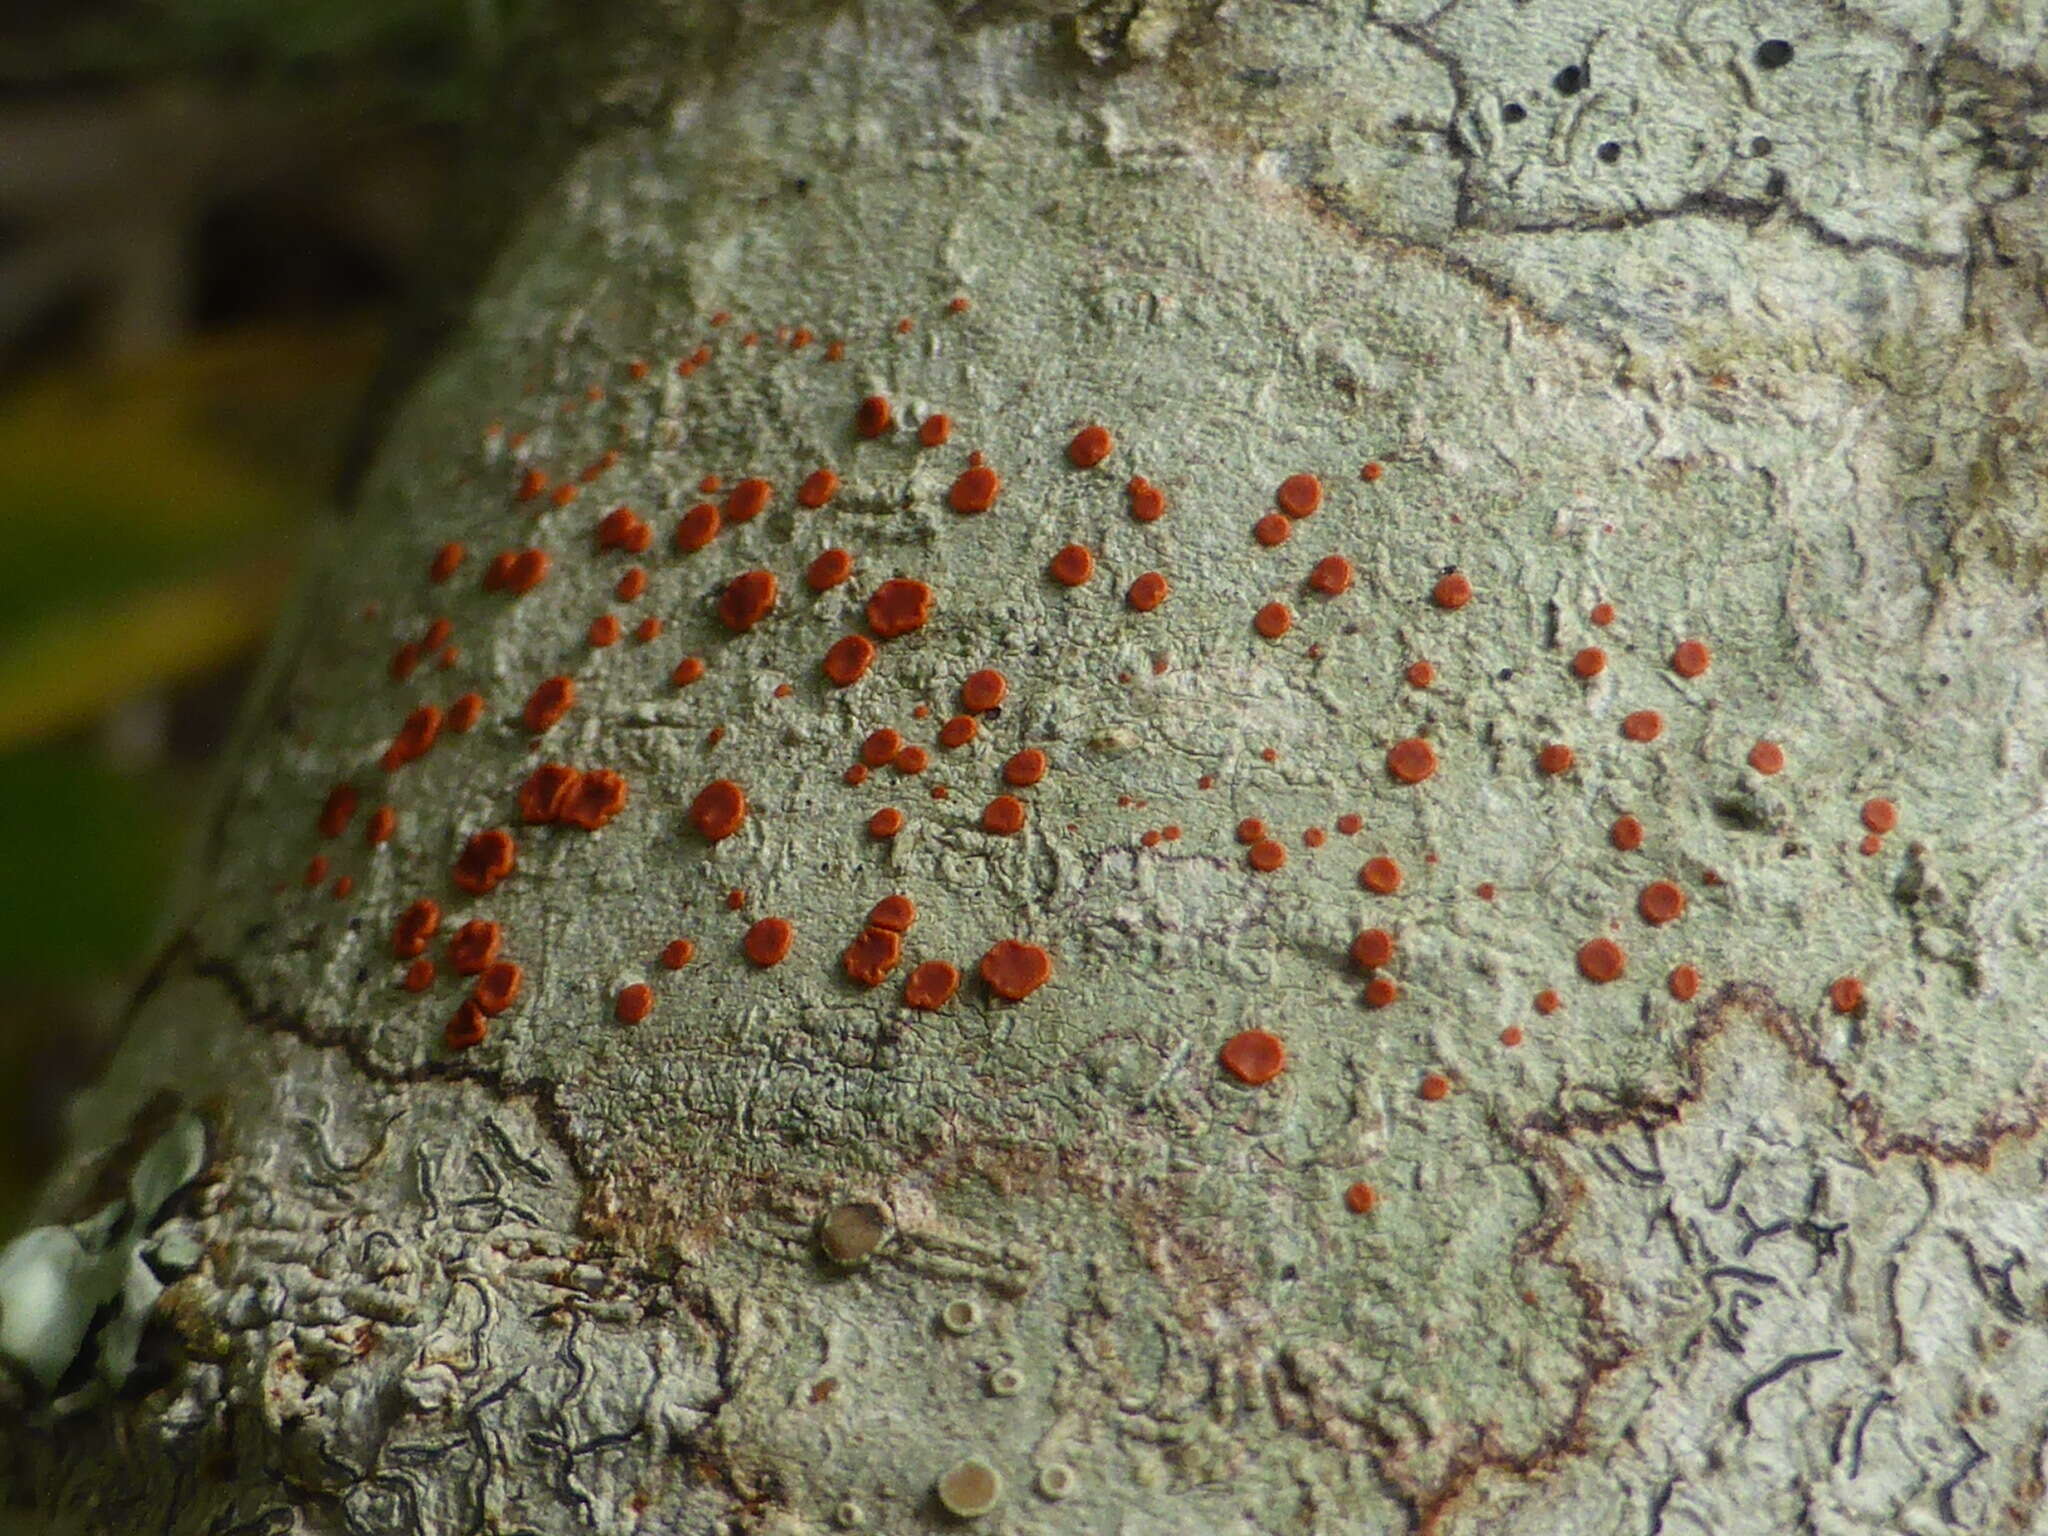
column 69, row 666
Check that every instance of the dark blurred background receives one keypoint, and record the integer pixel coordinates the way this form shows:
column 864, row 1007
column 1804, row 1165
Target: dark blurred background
column 212, row 213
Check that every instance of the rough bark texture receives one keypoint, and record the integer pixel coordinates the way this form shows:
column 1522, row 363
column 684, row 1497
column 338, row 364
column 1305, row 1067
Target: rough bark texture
column 1727, row 315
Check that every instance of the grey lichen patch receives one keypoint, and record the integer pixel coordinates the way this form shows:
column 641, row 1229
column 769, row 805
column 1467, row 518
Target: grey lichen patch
column 1839, row 1334
column 1794, row 430
column 87, row 1290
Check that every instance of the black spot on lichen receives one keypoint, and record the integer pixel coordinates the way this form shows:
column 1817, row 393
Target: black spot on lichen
column 1773, row 53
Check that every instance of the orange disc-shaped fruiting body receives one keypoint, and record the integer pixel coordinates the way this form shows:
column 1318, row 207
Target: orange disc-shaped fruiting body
column 474, row 947
column 1253, row 1056
column 498, row 987
column 896, row 912
column 634, row 1003
column 414, row 739
column 874, row 416
column 847, row 662
column 1361, row 1199
column 1073, row 566
column 898, row 607
column 1602, row 960
column 828, row 570
column 1273, row 620
column 1411, row 761
column 1661, row 902
column 983, row 690
column 1846, row 993
column 1332, row 576
column 1555, row 759
column 1014, row 970
column 338, row 810
column 1025, row 768
column 748, row 599
column 1147, row 592
column 415, row 926
column 1090, row 446
column 1373, row 948
column 467, row 1029
column 1381, row 875
column 1453, row 589
column 1626, row 834
column 1148, row 502
column 1003, row 816
column 719, row 810
column 486, row 859
column 1880, row 815
column 1299, row 495
column 1590, row 662
column 554, row 698
column 697, row 527
column 870, row 958
column 1642, row 725
column 598, row 796
column 1684, row 982
column 1273, row 530
column 819, row 487
column 1690, row 658
column 976, row 490
column 767, row 941
column 542, row 795
column 931, row 985
column 1266, row 855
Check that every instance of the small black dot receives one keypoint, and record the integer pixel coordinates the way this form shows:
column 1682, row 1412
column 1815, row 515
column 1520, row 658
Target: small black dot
column 1570, row 80
column 1760, row 146
column 1773, row 53
column 1774, row 184
column 1505, row 675
column 1608, row 153
column 1513, row 112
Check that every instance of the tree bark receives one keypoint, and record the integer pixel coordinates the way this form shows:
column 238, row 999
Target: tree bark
column 1675, row 1168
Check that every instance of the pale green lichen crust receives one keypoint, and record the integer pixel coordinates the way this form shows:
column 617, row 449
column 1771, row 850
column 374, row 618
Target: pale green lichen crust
column 1739, row 339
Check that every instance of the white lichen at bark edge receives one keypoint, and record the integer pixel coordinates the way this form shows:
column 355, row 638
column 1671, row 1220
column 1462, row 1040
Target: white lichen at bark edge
column 1729, row 316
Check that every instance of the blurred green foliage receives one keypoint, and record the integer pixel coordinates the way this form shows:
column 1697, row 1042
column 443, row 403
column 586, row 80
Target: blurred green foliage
column 436, row 56
column 280, row 161
column 88, row 851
